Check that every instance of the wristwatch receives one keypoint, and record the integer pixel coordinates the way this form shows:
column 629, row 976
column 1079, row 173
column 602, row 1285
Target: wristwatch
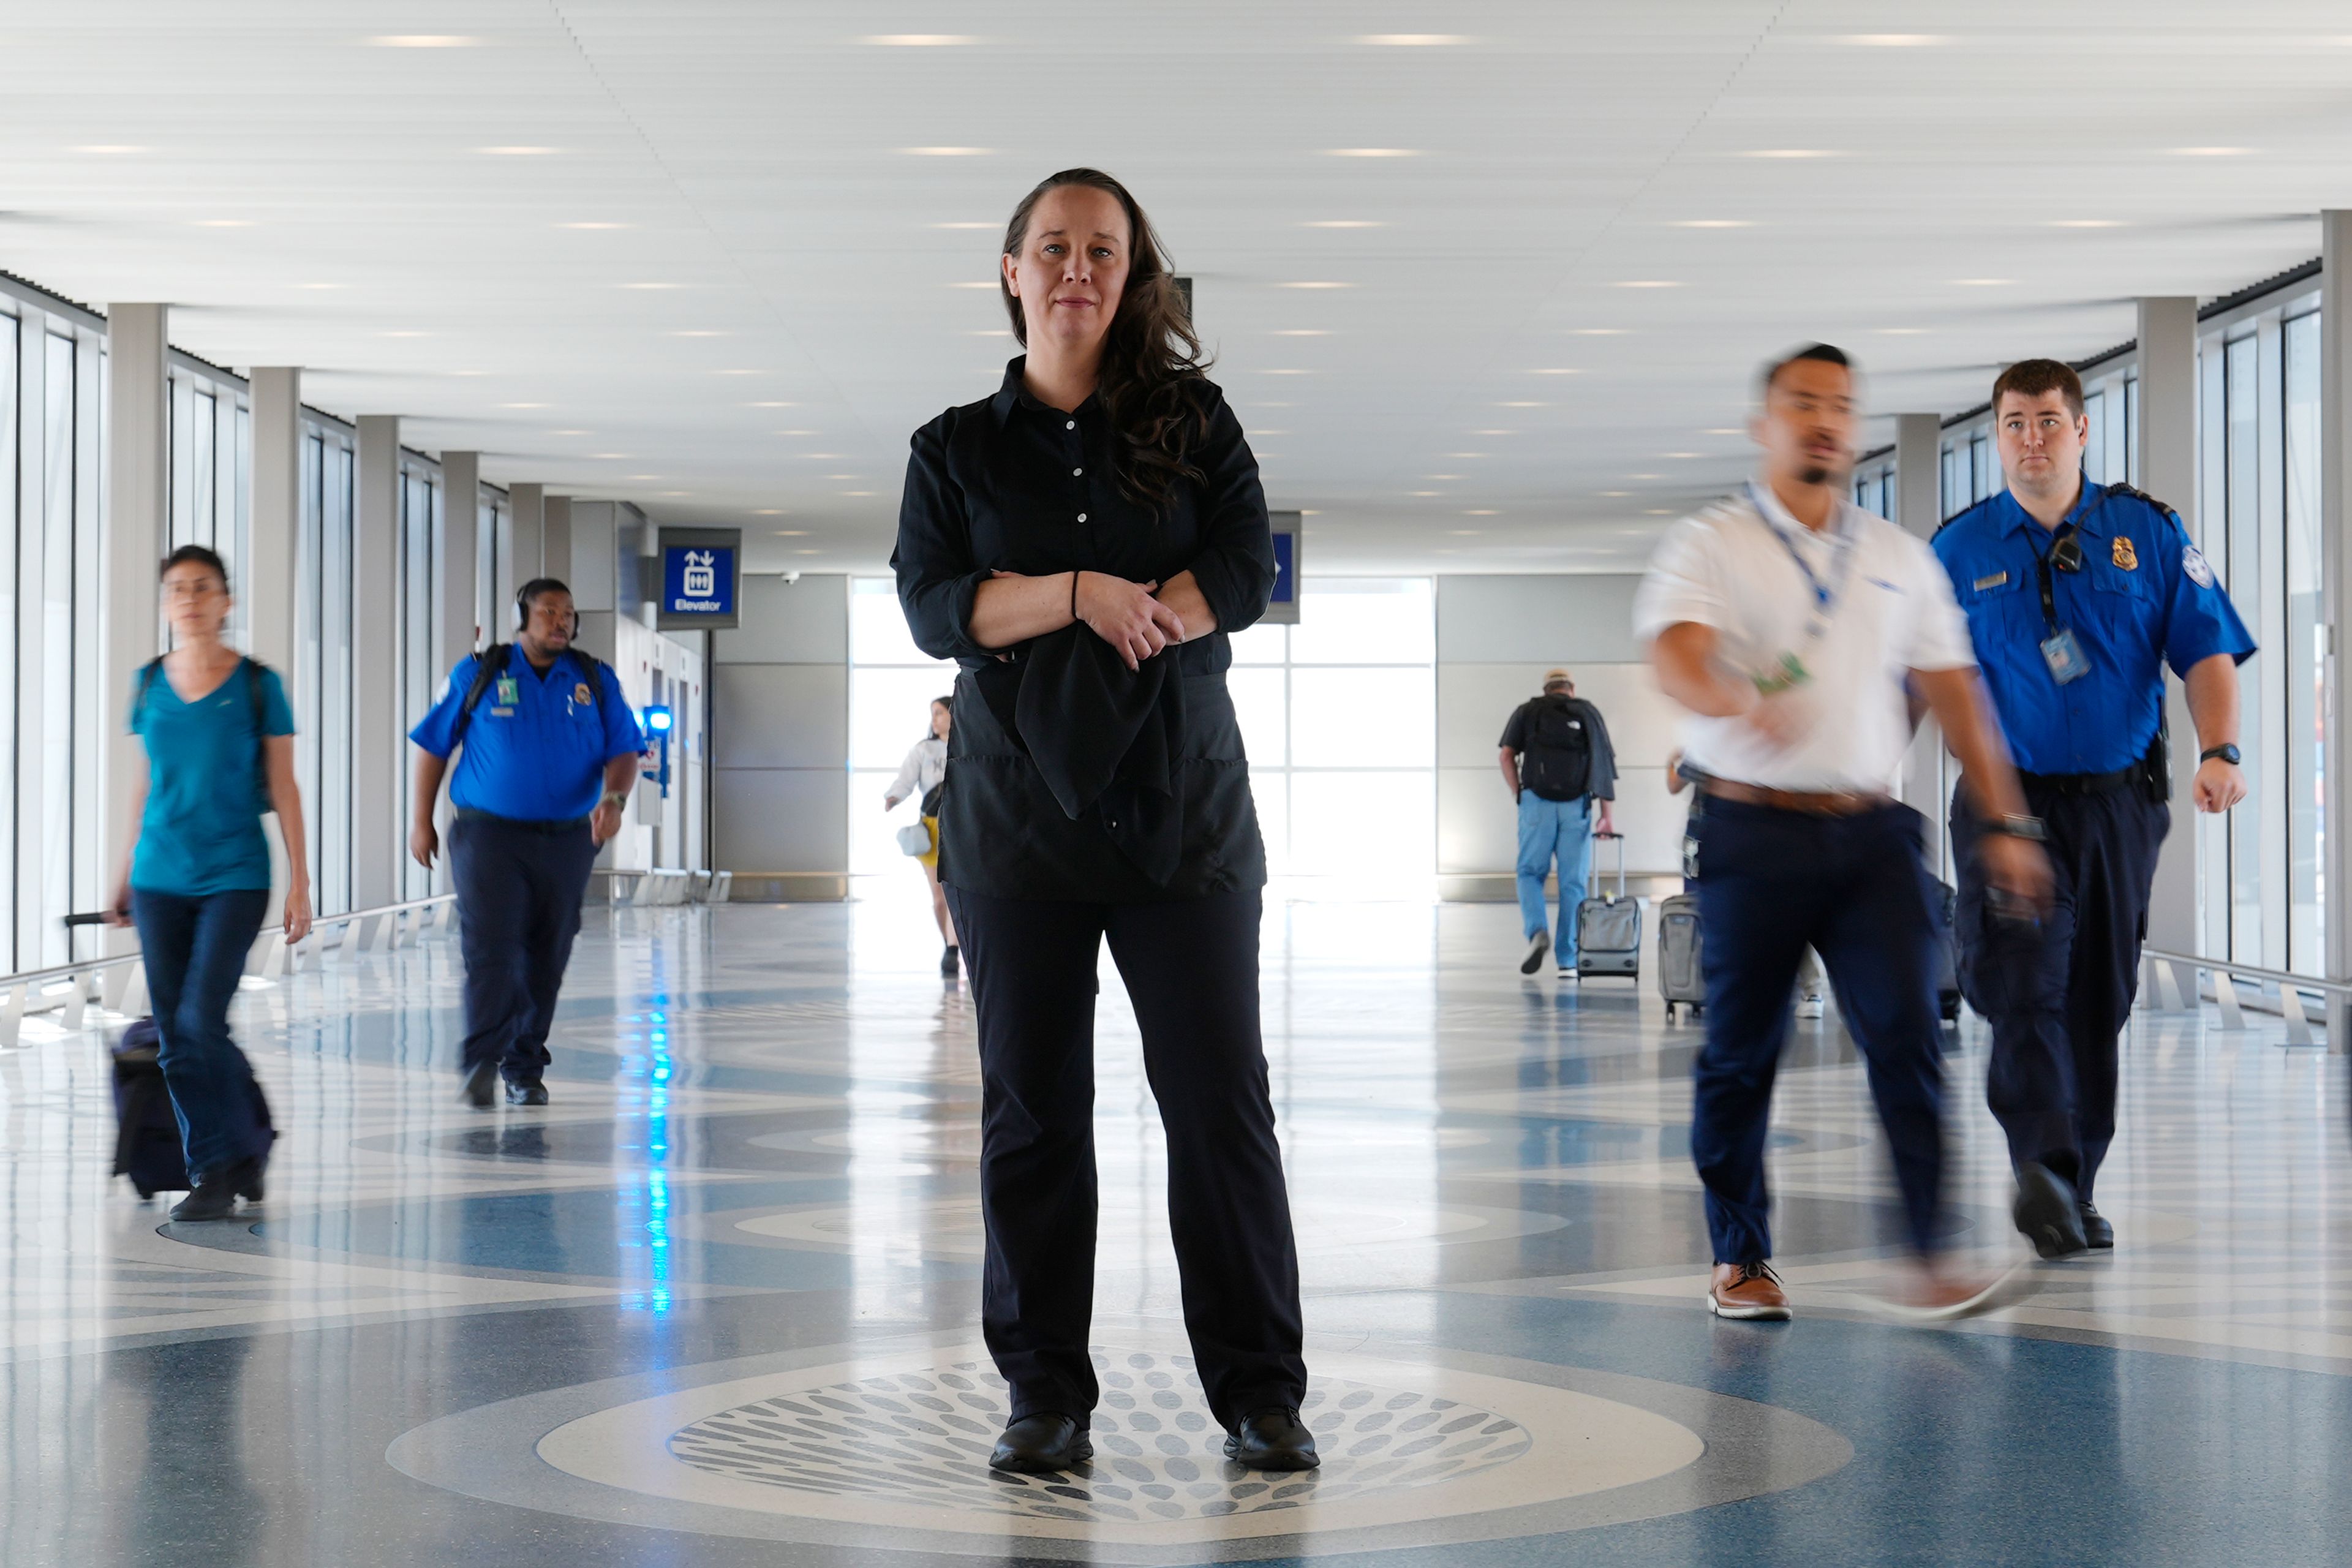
column 2228, row 753
column 2029, row 828
column 615, row 797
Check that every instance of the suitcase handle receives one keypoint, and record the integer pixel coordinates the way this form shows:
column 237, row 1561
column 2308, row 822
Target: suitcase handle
column 1620, row 840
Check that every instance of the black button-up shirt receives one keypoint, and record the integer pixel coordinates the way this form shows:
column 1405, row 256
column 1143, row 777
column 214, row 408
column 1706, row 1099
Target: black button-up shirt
column 1068, row 776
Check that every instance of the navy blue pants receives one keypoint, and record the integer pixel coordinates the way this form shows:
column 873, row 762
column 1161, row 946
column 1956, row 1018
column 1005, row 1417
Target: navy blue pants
column 2059, row 992
column 519, row 893
column 1191, row 968
column 193, row 948
column 1772, row 883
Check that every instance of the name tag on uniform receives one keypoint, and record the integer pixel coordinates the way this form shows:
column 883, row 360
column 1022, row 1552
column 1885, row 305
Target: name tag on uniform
column 2064, row 657
column 508, row 693
column 1995, row 580
column 501, row 712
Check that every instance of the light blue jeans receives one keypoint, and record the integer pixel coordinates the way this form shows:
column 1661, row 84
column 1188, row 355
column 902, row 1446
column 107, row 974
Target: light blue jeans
column 1554, row 830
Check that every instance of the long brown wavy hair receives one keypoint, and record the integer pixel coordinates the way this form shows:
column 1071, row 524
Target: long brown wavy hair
column 1151, row 366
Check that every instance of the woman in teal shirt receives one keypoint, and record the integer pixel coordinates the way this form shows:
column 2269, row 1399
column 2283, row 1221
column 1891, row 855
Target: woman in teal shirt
column 220, row 753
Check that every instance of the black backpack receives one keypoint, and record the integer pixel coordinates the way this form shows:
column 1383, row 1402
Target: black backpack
column 1556, row 749
column 492, row 663
column 252, row 670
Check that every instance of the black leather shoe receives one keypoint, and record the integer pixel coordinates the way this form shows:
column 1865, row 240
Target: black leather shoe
column 533, row 1093
column 1040, row 1444
column 481, row 1084
column 2096, row 1232
column 1273, row 1438
column 2046, row 1212
column 950, row 963
column 214, row 1198
column 247, row 1179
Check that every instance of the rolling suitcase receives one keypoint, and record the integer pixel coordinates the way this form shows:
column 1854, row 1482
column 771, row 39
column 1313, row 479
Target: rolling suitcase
column 1681, row 980
column 1609, row 928
column 146, row 1133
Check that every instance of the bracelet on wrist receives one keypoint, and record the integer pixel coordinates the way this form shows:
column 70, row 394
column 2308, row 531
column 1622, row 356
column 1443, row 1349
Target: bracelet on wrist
column 2016, row 826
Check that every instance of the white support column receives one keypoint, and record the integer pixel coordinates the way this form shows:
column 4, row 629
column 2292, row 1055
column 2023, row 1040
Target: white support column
column 138, row 487
column 378, row 747
column 1918, row 510
column 2167, row 471
column 2336, row 517
column 461, row 488
column 267, row 590
column 528, row 505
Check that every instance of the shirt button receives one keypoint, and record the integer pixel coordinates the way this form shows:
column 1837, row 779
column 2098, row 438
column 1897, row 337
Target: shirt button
column 1082, row 517
column 1072, row 424
column 1076, row 472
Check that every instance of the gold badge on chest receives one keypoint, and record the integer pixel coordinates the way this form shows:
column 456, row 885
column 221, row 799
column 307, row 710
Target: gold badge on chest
column 2126, row 559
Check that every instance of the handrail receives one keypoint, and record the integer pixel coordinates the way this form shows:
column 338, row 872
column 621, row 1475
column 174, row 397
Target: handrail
column 2254, row 972
column 91, row 966
column 2225, row 994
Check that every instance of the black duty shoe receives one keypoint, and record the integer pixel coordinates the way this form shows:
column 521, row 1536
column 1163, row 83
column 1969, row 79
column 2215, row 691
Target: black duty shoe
column 1537, row 945
column 247, row 1179
column 2096, row 1231
column 481, row 1084
column 952, row 962
column 2045, row 1212
column 531, row 1093
column 214, row 1198
column 1273, row 1439
column 1042, row 1445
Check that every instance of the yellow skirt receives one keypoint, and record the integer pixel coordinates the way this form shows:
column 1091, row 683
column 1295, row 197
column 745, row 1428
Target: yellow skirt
column 930, row 857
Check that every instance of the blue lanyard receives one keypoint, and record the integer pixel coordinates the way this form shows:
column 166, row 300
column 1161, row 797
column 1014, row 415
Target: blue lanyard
column 1825, row 594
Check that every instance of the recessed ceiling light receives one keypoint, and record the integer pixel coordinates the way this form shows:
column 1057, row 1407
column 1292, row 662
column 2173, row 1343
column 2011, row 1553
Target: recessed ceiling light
column 988, row 332
column 1494, row 432
column 1712, row 222
column 321, row 285
column 1423, row 495
column 1482, row 511
column 1791, row 153
column 596, row 226
column 1411, row 40
column 977, row 223
column 1658, row 512
column 642, row 478
column 2086, row 223
column 1648, row 283
column 1343, row 223
column 650, row 285
column 1645, row 476
column 610, row 456
column 522, row 404
column 920, row 41
column 470, row 373
column 1442, row 478
column 738, row 373
column 788, row 533
column 833, row 456
column 1983, row 282
column 2210, row 152
column 795, row 432
column 110, row 149
column 1894, row 40
column 224, row 223
column 1678, row 454
column 1900, row 331
column 518, row 152
column 407, row 334
column 1301, row 332
column 1599, row 332
column 1522, row 404
column 771, row 406
column 568, row 432
column 1285, row 373
column 1465, row 532
column 1614, row 495
column 769, row 512
column 1557, row 370
column 845, row 478
column 945, row 152
column 1465, row 454
column 1372, row 153
column 1724, row 430
column 990, row 284
column 700, row 333
column 853, row 495
column 1320, row 283
column 676, row 492
column 1262, row 430
column 423, row 41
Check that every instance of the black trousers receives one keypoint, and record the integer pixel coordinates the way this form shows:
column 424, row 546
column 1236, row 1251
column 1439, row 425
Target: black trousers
column 1191, row 968
column 519, row 893
column 2058, row 992
column 1770, row 884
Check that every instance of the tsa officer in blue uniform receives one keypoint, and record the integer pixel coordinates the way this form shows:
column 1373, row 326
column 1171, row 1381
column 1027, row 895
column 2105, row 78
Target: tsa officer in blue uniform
column 2077, row 595
column 550, row 753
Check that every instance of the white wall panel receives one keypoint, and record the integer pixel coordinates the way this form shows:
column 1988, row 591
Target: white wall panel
column 1537, row 619
column 781, row 716
column 805, row 622
column 780, row 819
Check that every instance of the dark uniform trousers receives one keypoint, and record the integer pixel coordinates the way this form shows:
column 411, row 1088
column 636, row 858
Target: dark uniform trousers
column 1191, row 968
column 2058, row 993
column 1772, row 883
column 520, row 886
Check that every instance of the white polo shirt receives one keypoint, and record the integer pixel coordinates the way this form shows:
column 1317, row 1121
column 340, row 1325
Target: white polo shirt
column 1890, row 611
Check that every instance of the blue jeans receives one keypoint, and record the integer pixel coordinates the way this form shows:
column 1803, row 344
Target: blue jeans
column 1549, row 830
column 194, row 948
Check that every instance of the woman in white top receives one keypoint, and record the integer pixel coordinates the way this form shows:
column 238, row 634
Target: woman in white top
column 919, row 775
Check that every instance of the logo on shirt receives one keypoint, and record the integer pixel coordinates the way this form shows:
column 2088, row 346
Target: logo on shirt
column 2194, row 561
column 580, row 694
column 2125, row 558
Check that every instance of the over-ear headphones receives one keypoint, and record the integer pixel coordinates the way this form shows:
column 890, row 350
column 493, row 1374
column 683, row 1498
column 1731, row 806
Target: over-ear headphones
column 532, row 590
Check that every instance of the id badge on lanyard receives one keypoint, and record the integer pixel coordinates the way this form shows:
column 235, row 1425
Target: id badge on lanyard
column 1825, row 595
column 2061, row 651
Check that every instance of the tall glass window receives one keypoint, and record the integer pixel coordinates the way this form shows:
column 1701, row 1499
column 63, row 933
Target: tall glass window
column 322, row 683
column 422, row 531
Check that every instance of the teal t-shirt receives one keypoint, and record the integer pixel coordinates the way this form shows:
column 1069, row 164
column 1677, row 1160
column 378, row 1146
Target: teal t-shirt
column 201, row 831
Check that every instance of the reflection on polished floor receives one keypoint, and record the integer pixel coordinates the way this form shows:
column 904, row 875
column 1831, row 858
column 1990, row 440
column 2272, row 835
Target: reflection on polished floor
column 717, row 1305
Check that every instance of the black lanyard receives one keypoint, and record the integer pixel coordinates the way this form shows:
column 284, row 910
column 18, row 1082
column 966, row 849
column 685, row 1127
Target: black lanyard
column 2066, row 553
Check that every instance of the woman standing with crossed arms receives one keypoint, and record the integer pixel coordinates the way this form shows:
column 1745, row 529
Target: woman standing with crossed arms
column 1081, row 542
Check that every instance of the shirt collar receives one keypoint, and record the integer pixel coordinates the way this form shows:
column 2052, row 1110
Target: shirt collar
column 2085, row 515
column 1014, row 393
column 1768, row 505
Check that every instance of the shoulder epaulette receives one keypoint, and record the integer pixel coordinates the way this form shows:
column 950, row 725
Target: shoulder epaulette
column 1972, row 506
column 2132, row 492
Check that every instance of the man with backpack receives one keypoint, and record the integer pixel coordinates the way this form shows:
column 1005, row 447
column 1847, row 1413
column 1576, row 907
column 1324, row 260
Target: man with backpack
column 1557, row 762
column 550, row 755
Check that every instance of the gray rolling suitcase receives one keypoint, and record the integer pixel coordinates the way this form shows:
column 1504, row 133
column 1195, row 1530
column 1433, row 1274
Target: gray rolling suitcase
column 1682, row 980
column 1609, row 928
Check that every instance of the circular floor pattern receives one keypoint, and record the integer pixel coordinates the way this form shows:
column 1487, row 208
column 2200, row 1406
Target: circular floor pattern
column 887, row 1444
column 922, row 1438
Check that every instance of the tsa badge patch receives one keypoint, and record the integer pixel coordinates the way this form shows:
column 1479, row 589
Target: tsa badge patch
column 580, row 694
column 2126, row 559
column 2200, row 571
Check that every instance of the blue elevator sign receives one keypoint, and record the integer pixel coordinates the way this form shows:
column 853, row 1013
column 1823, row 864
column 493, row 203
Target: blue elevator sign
column 698, row 572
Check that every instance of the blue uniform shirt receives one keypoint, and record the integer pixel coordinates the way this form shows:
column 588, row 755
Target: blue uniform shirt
column 2145, row 598
column 535, row 750
column 201, row 833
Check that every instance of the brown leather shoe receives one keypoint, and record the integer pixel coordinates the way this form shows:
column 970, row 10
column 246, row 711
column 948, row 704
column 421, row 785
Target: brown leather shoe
column 1747, row 1290
column 1936, row 1292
